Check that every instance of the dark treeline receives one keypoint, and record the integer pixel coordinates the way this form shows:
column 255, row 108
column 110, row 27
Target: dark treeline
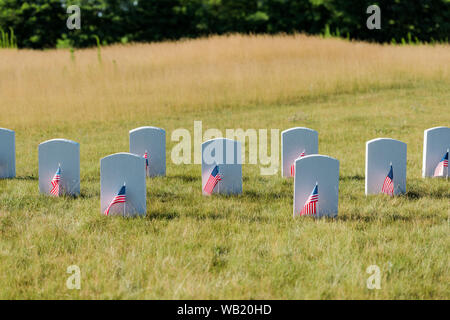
column 42, row 23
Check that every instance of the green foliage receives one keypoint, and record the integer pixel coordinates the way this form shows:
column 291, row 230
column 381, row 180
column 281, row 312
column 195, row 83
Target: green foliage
column 99, row 49
column 42, row 24
column 37, row 24
column 7, row 40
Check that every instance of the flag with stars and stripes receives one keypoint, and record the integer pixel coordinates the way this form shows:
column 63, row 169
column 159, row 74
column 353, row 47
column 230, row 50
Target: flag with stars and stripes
column 56, row 183
column 213, row 179
column 439, row 171
column 388, row 184
column 310, row 207
column 293, row 164
column 119, row 198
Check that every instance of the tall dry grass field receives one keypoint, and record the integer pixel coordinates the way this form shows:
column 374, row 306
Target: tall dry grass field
column 204, row 74
column 246, row 246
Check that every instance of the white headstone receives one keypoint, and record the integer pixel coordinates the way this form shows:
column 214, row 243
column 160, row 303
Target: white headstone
column 226, row 154
column 64, row 154
column 324, row 171
column 294, row 142
column 153, row 141
column 436, row 142
column 7, row 154
column 380, row 153
column 121, row 169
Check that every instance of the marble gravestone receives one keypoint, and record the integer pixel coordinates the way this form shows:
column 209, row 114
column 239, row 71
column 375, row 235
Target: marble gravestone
column 7, row 154
column 226, row 155
column 380, row 153
column 153, row 141
column 64, row 154
column 436, row 142
column 294, row 142
column 324, row 171
column 121, row 169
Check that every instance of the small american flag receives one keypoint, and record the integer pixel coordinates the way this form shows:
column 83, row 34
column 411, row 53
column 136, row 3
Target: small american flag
column 439, row 171
column 120, row 198
column 388, row 185
column 293, row 164
column 55, row 183
column 213, row 179
column 310, row 207
column 146, row 160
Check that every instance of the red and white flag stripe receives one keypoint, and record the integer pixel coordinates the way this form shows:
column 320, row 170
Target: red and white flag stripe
column 310, row 206
column 211, row 183
column 439, row 171
column 293, row 164
column 388, row 187
column 55, row 182
column 116, row 200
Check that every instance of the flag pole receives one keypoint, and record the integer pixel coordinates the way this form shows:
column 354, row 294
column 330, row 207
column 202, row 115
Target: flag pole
column 60, row 179
column 393, row 190
column 146, row 166
column 317, row 204
column 125, row 203
column 446, row 178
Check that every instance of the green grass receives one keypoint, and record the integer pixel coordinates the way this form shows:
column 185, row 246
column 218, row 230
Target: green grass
column 7, row 39
column 248, row 246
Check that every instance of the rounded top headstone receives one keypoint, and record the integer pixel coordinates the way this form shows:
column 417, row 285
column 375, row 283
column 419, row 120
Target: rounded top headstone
column 123, row 154
column 297, row 128
column 226, row 151
column 61, row 153
column 59, row 140
column 123, row 168
column 438, row 128
column 316, row 156
column 381, row 153
column 385, row 139
column 7, row 153
column 146, row 127
column 6, row 130
column 321, row 170
column 221, row 138
column 436, row 143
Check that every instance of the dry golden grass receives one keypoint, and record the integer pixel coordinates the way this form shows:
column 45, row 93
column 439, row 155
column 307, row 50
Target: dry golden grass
column 209, row 73
column 245, row 246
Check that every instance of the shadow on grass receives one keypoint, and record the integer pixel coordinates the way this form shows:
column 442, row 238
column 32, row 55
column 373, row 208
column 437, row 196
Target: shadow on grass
column 355, row 178
column 219, row 216
column 358, row 217
column 25, row 178
column 385, row 218
column 207, row 216
column 166, row 196
column 91, row 179
column 418, row 194
column 413, row 195
column 186, row 178
column 267, row 195
column 391, row 217
column 84, row 195
column 160, row 215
